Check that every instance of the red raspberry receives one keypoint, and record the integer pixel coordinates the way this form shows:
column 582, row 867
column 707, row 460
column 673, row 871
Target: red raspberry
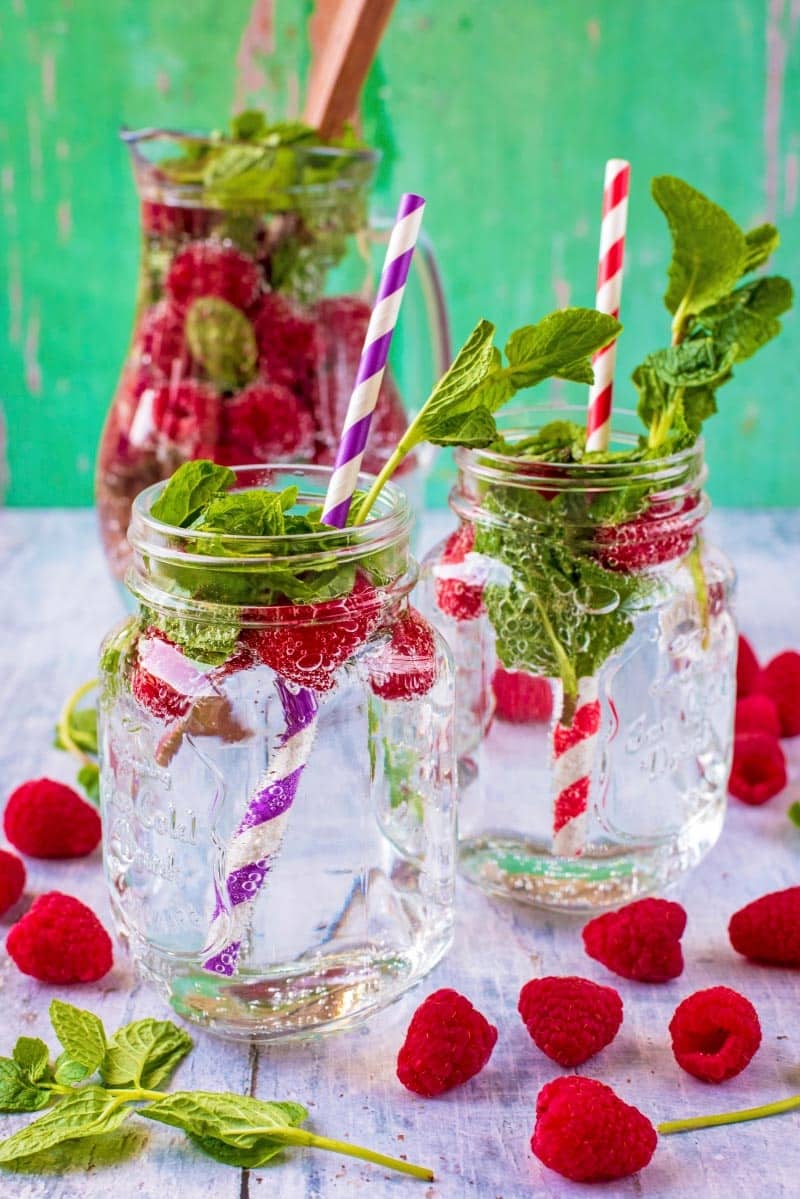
column 781, row 682
column 659, row 535
column 161, row 340
column 307, row 643
column 759, row 768
column 172, row 220
column 641, row 941
column 290, row 346
column 209, row 268
column 162, row 681
column 60, row 941
column 521, row 698
column 768, row 929
column 46, row 819
column 715, row 1033
column 757, row 714
column 748, row 671
column 406, row 666
column 570, row 1019
column 187, row 416
column 457, row 597
column 447, row 1043
column 12, row 880
column 264, row 423
column 585, row 1132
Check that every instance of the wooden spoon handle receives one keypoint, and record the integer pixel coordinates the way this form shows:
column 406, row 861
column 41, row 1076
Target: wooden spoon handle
column 352, row 31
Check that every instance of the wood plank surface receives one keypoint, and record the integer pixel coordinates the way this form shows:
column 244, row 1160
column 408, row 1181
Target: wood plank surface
column 56, row 602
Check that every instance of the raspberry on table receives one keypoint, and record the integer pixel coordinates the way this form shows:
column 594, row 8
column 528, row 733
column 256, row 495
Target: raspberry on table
column 406, row 666
column 756, row 714
column 780, row 680
column 186, row 414
column 758, row 771
column 768, row 929
column 12, row 880
column 641, row 941
column 264, row 423
column 586, row 1133
column 59, row 940
column 447, row 1043
column 210, row 268
column 457, row 597
column 715, row 1033
column 570, row 1019
column 46, row 819
column 307, row 643
column 748, row 671
column 521, row 698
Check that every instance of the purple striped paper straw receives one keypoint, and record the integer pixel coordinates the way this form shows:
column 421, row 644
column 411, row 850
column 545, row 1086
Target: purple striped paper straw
column 372, row 364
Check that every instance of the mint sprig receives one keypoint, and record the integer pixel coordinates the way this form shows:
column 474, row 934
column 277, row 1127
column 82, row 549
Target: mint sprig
column 76, row 732
column 112, row 1078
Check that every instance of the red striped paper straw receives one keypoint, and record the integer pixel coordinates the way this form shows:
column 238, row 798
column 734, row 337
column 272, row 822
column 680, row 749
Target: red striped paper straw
column 367, row 387
column 609, row 294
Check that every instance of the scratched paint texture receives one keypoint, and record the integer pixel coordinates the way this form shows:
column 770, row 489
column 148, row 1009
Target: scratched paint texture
column 501, row 114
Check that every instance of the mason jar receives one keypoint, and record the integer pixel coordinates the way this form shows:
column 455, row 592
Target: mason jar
column 278, row 780
column 595, row 646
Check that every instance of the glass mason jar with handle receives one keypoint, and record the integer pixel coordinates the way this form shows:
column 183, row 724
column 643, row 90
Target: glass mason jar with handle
column 256, row 274
column 595, row 650
column 278, row 778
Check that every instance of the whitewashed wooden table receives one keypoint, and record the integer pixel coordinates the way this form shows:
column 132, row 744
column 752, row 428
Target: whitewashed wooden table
column 55, row 603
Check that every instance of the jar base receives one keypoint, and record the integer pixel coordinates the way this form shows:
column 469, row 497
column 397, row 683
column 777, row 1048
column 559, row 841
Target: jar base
column 330, row 993
column 512, row 867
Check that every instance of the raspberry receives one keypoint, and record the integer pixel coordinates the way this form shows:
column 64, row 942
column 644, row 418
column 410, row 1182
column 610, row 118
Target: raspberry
column 406, row 667
column 759, row 768
column 768, row 929
column 715, row 1033
column 757, row 714
column 447, row 1043
column 60, row 941
column 162, row 680
column 641, row 941
column 209, row 268
column 748, row 671
column 161, row 340
column 457, row 596
column 521, row 698
column 45, row 819
column 290, row 347
column 172, row 220
column 570, row 1019
column 781, row 682
column 264, row 423
column 12, row 880
column 307, row 643
column 585, row 1132
column 186, row 415
column 658, row 535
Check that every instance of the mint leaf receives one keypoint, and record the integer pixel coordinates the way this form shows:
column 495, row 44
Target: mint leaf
column 709, row 251
column 793, row 812
column 246, row 1158
column 760, row 243
column 68, row 1072
column 560, row 346
column 89, row 779
column 82, row 729
column 476, row 428
column 33, row 1058
column 696, row 363
column 256, row 513
column 556, row 439
column 85, row 1113
column 17, row 1092
column 192, row 486
column 144, row 1053
column 223, row 341
column 747, row 319
column 80, row 1032
column 454, row 394
column 235, row 1119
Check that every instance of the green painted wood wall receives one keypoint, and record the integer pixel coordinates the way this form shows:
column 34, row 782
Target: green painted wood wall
column 500, row 111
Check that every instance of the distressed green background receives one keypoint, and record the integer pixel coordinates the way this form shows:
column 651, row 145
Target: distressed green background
column 501, row 114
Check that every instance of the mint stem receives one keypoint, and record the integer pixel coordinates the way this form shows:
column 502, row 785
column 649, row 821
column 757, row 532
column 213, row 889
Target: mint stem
column 297, row 1136
column 404, row 446
column 747, row 1113
column 64, row 721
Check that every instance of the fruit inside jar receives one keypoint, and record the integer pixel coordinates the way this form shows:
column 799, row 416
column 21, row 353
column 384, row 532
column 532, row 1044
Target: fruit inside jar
column 254, row 298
